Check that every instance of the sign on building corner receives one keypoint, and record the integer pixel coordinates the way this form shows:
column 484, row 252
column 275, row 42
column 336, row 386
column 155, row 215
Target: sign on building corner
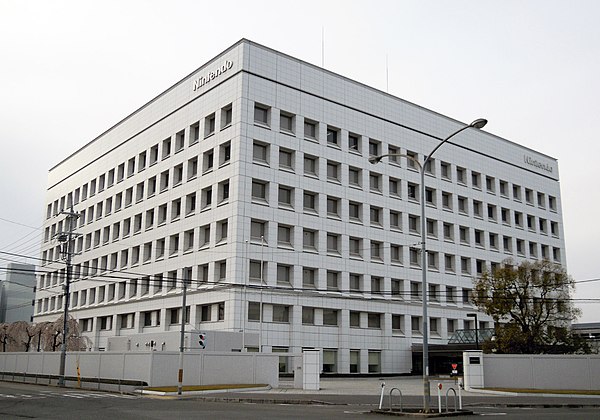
column 533, row 162
column 202, row 80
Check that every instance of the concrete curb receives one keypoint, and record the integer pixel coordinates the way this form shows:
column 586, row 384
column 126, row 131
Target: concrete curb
column 528, row 394
column 202, row 392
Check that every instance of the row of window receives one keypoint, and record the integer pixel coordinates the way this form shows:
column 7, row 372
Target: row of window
column 158, row 152
column 354, row 143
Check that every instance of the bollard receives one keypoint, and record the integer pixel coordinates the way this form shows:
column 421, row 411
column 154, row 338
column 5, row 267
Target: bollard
column 381, row 398
column 439, row 387
column 459, row 398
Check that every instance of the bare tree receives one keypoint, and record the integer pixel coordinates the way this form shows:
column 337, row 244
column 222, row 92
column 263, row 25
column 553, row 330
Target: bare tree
column 4, row 336
column 21, row 335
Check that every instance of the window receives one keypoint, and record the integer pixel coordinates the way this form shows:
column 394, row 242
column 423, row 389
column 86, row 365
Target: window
column 445, row 170
column 208, row 161
column 309, row 239
column 375, row 182
column 311, row 165
column 503, row 188
column 396, row 254
column 260, row 152
column 259, row 190
column 413, row 223
column 333, row 171
column 434, row 326
column 286, row 196
column 308, row 277
column 222, row 231
column 310, row 201
column 412, row 190
column 194, row 133
column 449, row 263
column 395, row 220
column 224, row 153
column 166, row 148
column 476, row 179
column 354, row 142
column 190, row 204
column 465, row 265
column 177, row 174
column 179, row 141
column 375, row 215
column 467, row 295
column 253, row 311
column 204, row 236
column 412, row 159
column 333, row 243
column 415, row 324
column 174, row 244
column 308, row 315
column 355, row 247
column 284, row 235
column 493, row 241
column 490, row 184
column 333, row 280
column 355, row 281
column 354, row 176
column 355, row 319
column 329, row 361
column 491, row 210
column 286, row 159
column 281, row 313
column 415, row 290
column 516, row 190
column 479, row 238
column 376, row 285
column 333, row 136
column 286, row 122
column 451, row 326
column 376, row 251
column 258, row 230
column 354, row 211
column 374, row 147
column 397, row 323
column 552, row 203
column 164, row 184
column 432, row 260
column 432, row 228
column 261, row 114
column 450, row 294
column 284, row 275
column 394, row 187
column 461, row 175
column 463, row 233
column 330, row 317
column 310, row 129
column 477, row 208
column 175, row 209
column 373, row 320
column 333, row 206
column 221, row 270
column 226, row 116
column 209, row 125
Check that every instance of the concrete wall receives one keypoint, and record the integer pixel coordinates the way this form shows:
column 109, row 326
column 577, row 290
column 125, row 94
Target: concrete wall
column 542, row 371
column 155, row 368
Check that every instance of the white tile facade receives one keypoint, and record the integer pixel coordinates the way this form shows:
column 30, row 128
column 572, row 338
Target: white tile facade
column 357, row 232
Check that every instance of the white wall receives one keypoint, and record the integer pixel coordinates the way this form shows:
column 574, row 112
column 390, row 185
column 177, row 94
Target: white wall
column 542, row 371
column 155, row 368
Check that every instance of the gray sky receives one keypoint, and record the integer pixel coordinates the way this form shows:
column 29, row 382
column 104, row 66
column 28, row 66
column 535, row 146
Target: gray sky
column 71, row 69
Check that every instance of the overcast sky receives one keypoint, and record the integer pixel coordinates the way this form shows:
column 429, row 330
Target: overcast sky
column 71, row 69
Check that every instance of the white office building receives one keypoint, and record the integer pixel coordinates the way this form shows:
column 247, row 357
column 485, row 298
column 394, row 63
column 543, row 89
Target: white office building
column 256, row 165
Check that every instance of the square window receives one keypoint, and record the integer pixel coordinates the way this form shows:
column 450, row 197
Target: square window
column 311, row 166
column 259, row 190
column 333, row 243
column 260, row 152
column 284, row 235
column 355, row 211
column 286, row 196
column 309, row 239
column 286, row 159
column 332, row 284
column 354, row 142
column 226, row 116
column 310, row 201
column 333, row 171
column 286, row 122
column 333, row 206
column 354, row 176
column 333, row 136
column 310, row 129
column 209, row 125
column 261, row 114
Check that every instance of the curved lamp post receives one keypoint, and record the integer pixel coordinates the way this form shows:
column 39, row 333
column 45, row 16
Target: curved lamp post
column 478, row 123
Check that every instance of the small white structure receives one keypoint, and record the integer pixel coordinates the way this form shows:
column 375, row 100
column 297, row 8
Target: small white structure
column 311, row 367
column 473, row 368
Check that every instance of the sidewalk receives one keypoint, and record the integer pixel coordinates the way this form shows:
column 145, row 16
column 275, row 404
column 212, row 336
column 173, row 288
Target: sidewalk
column 367, row 392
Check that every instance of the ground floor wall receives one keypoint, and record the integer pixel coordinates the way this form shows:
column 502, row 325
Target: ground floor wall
column 152, row 367
column 539, row 371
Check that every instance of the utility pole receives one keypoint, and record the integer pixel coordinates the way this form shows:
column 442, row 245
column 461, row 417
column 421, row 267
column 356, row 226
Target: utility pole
column 66, row 238
column 182, row 333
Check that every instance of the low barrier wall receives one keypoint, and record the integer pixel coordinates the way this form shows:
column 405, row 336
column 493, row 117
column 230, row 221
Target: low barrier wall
column 541, row 371
column 151, row 368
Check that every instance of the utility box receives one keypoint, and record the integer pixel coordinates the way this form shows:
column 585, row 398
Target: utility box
column 473, row 369
column 311, row 367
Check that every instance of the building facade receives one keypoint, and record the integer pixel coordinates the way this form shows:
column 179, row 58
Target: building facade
column 250, row 177
column 17, row 293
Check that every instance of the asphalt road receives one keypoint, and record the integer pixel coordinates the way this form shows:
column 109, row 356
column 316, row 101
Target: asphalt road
column 24, row 401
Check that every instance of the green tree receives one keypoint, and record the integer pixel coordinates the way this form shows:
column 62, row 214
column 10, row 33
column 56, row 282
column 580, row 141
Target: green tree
column 531, row 307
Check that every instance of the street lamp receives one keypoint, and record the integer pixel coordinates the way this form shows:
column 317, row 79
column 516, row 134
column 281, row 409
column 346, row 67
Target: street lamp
column 478, row 123
column 474, row 315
